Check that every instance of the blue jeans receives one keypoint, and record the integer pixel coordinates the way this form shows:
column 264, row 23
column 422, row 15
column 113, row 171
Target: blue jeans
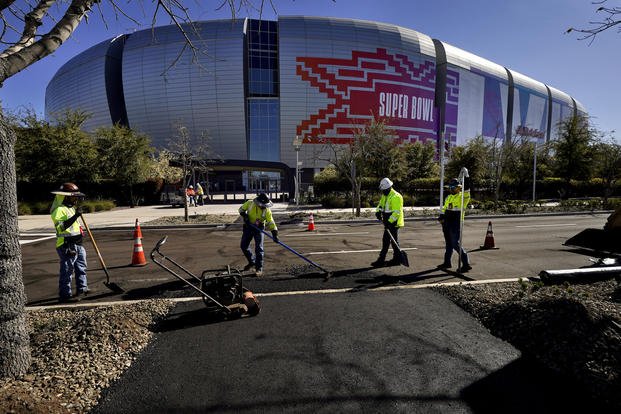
column 451, row 229
column 248, row 234
column 68, row 265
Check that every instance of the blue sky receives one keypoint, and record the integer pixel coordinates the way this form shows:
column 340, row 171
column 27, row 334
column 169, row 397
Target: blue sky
column 527, row 36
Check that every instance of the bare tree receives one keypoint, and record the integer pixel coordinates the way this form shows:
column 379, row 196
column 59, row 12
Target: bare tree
column 21, row 23
column 191, row 154
column 610, row 17
column 371, row 153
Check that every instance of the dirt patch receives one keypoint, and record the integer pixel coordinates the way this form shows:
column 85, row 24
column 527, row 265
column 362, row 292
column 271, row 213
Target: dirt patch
column 574, row 329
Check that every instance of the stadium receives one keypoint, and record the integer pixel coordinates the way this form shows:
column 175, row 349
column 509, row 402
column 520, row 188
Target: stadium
column 269, row 94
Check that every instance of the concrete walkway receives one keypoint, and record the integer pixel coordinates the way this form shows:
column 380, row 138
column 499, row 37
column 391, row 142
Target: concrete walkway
column 125, row 216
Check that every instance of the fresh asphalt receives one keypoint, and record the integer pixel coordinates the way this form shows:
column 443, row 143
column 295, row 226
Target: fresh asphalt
column 395, row 350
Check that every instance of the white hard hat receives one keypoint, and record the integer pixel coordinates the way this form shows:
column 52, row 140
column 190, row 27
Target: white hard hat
column 385, row 184
column 191, row 186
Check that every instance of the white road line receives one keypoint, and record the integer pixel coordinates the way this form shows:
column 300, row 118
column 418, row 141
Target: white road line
column 36, row 240
column 159, row 279
column 548, row 225
column 323, row 234
column 292, row 293
column 355, row 251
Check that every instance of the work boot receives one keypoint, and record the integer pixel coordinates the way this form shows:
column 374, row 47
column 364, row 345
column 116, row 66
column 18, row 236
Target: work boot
column 464, row 268
column 259, row 272
column 379, row 263
column 443, row 266
column 249, row 266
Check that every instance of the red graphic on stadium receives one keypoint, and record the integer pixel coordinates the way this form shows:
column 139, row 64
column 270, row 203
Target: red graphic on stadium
column 370, row 84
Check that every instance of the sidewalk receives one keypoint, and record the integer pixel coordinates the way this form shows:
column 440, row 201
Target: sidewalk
column 125, row 216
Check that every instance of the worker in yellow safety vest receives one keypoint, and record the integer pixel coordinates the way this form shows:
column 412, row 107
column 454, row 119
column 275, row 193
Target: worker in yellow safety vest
column 257, row 216
column 69, row 247
column 451, row 218
column 390, row 212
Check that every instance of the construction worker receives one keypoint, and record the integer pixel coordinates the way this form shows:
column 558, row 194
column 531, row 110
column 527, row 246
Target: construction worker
column 257, row 216
column 190, row 193
column 199, row 194
column 390, row 212
column 451, row 217
column 69, row 242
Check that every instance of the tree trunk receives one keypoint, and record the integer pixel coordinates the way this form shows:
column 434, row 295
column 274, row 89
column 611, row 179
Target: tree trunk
column 14, row 340
column 358, row 185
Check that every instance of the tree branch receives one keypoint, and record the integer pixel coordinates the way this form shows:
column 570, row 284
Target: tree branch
column 32, row 21
column 17, row 61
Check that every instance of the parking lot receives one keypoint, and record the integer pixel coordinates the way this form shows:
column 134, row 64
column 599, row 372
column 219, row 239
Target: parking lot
column 526, row 245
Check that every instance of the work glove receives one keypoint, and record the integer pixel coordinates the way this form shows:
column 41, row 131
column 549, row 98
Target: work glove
column 441, row 218
column 260, row 224
column 378, row 215
column 275, row 236
column 79, row 211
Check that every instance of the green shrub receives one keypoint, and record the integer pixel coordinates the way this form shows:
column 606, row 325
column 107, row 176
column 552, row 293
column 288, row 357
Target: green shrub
column 408, row 200
column 612, row 204
column 103, row 205
column 23, row 209
column 43, row 207
column 333, row 201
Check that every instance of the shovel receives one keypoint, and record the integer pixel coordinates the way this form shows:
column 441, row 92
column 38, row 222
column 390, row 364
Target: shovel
column 403, row 256
column 328, row 273
column 112, row 286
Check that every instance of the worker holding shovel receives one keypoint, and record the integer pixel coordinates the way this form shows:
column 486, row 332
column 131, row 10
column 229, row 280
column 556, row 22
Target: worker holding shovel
column 390, row 212
column 257, row 217
column 69, row 247
column 452, row 218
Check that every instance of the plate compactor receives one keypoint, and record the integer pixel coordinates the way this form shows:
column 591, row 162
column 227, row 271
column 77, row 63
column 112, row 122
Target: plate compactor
column 223, row 293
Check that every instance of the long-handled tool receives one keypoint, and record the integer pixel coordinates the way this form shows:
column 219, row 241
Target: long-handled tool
column 403, row 256
column 112, row 286
column 462, row 180
column 327, row 272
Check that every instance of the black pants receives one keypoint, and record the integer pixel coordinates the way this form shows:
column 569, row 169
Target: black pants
column 386, row 242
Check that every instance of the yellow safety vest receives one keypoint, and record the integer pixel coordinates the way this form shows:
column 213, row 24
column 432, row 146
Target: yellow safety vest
column 258, row 215
column 393, row 204
column 452, row 205
column 59, row 215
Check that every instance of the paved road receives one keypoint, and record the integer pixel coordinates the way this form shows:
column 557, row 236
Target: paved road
column 362, row 350
column 527, row 245
column 408, row 351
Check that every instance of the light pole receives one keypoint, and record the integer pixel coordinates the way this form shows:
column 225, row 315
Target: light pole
column 297, row 145
column 535, row 170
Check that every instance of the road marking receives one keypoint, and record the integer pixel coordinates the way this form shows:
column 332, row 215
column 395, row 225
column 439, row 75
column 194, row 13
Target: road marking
column 548, row 225
column 292, row 293
column 36, row 240
column 159, row 279
column 323, row 234
column 356, row 251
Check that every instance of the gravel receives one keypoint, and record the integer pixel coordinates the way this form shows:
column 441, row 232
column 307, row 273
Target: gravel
column 574, row 329
column 76, row 353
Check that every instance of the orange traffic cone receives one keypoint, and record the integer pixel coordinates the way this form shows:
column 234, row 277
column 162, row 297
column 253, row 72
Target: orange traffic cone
column 311, row 223
column 138, row 258
column 489, row 238
column 137, row 231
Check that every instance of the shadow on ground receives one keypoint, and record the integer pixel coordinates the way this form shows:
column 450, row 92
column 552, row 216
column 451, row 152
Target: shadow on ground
column 526, row 386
